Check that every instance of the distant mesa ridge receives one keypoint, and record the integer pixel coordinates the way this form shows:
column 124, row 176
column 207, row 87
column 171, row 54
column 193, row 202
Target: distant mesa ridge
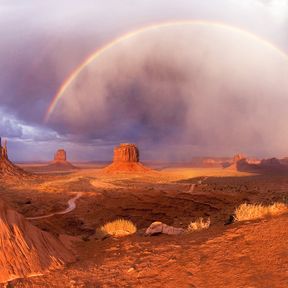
column 273, row 165
column 126, row 159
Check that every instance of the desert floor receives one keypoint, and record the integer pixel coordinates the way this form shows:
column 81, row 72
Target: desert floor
column 248, row 254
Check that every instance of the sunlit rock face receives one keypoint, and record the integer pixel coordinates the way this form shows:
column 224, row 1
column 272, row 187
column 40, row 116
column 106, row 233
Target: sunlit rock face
column 3, row 150
column 126, row 153
column 60, row 156
column 126, row 159
column 7, row 168
column 25, row 249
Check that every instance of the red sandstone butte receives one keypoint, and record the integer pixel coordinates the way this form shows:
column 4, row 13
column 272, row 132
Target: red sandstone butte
column 60, row 156
column 126, row 159
column 60, row 162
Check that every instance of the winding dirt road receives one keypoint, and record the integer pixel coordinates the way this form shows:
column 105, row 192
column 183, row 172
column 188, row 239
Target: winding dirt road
column 193, row 185
column 71, row 206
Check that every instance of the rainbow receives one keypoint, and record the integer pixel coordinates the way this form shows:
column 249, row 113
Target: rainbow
column 99, row 52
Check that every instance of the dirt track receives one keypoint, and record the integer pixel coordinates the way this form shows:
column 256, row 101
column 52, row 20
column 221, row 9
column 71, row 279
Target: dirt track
column 71, row 206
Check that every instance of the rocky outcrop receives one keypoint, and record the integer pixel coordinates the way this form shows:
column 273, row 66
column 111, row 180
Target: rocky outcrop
column 3, row 150
column 238, row 162
column 126, row 159
column 243, row 164
column 7, row 168
column 26, row 250
column 238, row 157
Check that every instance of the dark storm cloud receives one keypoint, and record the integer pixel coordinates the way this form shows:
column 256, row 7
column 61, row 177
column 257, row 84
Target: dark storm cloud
column 31, row 72
column 9, row 127
column 186, row 93
column 41, row 43
column 12, row 127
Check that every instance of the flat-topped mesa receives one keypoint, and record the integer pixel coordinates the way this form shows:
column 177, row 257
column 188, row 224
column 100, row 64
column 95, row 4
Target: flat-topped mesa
column 126, row 159
column 271, row 162
column 60, row 156
column 126, row 153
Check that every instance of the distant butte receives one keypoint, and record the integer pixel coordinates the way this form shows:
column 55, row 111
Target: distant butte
column 126, row 159
column 60, row 162
column 60, row 156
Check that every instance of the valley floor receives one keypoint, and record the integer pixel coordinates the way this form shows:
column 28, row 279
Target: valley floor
column 248, row 254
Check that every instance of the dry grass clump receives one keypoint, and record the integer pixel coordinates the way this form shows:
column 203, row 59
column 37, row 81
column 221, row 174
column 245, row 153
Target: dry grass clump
column 119, row 228
column 199, row 224
column 256, row 211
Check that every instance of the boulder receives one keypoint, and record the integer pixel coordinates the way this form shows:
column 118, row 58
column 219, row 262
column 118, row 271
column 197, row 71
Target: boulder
column 161, row 228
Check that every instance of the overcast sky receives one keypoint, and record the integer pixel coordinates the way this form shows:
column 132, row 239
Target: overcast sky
column 177, row 92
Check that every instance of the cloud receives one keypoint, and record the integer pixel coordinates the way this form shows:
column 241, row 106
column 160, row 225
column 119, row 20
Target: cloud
column 9, row 127
column 13, row 128
column 154, row 91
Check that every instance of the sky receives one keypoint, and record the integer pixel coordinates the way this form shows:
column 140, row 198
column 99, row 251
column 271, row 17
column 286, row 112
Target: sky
column 177, row 92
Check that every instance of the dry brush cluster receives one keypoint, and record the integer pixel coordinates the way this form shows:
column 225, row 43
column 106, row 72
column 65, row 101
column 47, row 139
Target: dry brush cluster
column 247, row 212
column 118, row 228
column 199, row 224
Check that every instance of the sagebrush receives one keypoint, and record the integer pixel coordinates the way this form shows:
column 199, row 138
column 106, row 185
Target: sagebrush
column 199, row 224
column 119, row 227
column 247, row 212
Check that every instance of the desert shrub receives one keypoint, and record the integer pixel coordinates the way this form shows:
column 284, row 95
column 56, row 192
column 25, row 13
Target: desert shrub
column 119, row 228
column 256, row 211
column 199, row 224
